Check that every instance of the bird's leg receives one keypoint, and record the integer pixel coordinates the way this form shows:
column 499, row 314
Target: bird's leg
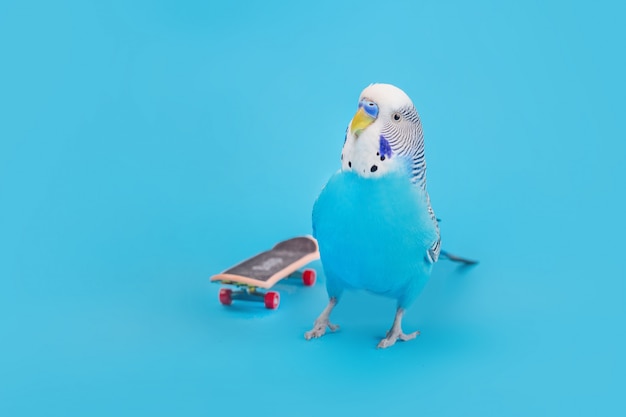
column 323, row 321
column 395, row 332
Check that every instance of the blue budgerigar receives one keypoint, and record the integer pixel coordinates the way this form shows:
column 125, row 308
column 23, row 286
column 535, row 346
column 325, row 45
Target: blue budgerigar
column 373, row 220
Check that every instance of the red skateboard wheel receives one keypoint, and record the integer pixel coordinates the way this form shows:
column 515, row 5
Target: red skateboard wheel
column 308, row 277
column 272, row 300
column 226, row 296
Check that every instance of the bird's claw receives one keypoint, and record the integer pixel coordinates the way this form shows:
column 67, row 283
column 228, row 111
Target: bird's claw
column 319, row 329
column 393, row 336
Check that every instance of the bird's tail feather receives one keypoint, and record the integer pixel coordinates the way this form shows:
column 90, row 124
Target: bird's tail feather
column 455, row 258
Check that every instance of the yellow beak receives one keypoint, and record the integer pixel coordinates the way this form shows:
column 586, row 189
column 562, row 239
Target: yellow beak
column 360, row 121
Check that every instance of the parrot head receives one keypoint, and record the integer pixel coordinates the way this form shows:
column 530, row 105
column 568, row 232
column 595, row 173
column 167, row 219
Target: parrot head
column 384, row 134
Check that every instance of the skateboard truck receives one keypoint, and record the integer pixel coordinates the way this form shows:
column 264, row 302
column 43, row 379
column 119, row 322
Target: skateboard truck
column 271, row 299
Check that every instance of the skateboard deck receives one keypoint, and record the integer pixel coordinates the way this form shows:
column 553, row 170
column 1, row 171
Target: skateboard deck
column 267, row 268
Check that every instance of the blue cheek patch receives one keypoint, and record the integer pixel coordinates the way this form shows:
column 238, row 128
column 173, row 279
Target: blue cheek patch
column 384, row 148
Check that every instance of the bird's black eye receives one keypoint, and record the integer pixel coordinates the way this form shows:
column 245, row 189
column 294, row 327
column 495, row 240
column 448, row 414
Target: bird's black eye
column 397, row 117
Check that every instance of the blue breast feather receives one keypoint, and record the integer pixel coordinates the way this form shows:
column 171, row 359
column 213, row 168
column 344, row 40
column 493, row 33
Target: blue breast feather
column 374, row 234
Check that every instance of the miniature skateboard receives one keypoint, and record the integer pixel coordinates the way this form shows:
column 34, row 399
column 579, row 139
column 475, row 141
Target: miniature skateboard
column 262, row 271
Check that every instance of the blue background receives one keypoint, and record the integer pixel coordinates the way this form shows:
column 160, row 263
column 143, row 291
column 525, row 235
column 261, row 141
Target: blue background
column 145, row 146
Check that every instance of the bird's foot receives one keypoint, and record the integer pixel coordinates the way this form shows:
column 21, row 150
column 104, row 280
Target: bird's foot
column 319, row 328
column 393, row 335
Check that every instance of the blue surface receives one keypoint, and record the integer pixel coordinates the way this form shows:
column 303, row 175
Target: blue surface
column 146, row 146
